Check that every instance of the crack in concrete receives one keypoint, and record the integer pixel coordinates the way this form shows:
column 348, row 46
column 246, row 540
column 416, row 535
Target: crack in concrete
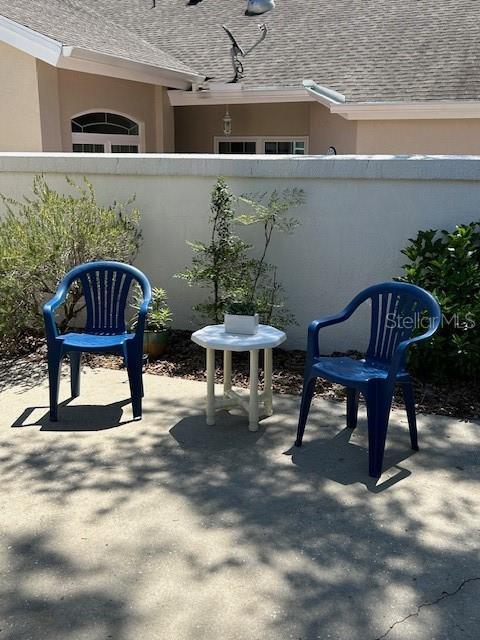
column 443, row 596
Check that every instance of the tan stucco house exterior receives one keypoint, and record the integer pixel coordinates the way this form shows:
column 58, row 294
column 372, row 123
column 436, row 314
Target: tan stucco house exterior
column 346, row 75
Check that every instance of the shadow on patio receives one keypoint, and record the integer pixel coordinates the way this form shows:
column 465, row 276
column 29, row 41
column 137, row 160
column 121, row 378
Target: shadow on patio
column 259, row 543
column 63, row 611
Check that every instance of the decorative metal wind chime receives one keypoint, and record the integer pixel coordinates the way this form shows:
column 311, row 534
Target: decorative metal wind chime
column 254, row 8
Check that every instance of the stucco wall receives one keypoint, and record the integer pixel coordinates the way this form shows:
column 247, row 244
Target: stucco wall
column 37, row 102
column 165, row 122
column 419, row 136
column 20, row 128
column 85, row 92
column 330, row 130
column 359, row 214
column 49, row 101
column 196, row 127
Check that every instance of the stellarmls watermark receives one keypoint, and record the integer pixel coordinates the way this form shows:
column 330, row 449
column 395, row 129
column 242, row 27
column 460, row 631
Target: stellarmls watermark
column 420, row 321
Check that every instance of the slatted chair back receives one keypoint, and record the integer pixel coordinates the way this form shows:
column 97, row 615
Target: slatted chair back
column 106, row 287
column 399, row 310
column 106, row 292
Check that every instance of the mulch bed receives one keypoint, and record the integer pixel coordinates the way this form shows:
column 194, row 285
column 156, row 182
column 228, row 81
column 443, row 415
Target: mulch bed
column 185, row 359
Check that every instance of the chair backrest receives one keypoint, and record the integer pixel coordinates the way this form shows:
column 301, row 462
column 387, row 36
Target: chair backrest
column 398, row 310
column 106, row 287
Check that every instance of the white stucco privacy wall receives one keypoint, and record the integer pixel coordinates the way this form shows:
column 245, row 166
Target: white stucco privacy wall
column 359, row 214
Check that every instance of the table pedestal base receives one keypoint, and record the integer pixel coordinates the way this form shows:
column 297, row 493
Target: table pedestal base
column 256, row 402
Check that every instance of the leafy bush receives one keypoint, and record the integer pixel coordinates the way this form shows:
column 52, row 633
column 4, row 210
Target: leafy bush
column 225, row 267
column 447, row 263
column 44, row 237
column 159, row 313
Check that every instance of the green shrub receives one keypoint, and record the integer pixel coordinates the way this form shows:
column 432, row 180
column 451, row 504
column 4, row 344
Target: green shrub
column 447, row 263
column 159, row 313
column 44, row 237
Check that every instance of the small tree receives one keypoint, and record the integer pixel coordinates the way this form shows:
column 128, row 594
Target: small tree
column 269, row 211
column 220, row 265
column 44, row 237
column 225, row 266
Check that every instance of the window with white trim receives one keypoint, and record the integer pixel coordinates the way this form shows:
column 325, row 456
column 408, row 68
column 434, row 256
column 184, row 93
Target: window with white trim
column 104, row 132
column 270, row 145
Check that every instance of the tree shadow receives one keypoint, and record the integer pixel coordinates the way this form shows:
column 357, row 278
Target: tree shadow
column 22, row 374
column 343, row 557
column 37, row 601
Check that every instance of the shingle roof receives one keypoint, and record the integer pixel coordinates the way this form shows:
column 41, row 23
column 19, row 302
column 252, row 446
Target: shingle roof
column 369, row 50
column 76, row 24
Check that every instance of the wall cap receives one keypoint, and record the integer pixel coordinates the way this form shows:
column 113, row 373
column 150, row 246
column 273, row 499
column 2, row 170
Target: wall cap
column 375, row 167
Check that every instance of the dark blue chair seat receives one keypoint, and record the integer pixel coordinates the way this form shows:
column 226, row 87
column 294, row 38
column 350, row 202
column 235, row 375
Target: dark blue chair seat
column 105, row 287
column 93, row 342
column 398, row 309
column 344, row 370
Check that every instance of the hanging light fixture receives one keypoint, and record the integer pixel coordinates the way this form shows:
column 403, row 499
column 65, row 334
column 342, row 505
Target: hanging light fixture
column 227, row 123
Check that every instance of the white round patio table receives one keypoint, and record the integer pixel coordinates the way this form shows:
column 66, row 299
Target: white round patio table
column 214, row 337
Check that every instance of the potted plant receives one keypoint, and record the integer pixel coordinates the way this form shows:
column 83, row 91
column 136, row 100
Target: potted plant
column 159, row 316
column 241, row 317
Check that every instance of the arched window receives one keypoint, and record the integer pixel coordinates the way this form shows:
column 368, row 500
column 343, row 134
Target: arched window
column 102, row 132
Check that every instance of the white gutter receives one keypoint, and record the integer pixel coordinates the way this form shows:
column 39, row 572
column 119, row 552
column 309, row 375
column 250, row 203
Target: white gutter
column 426, row 110
column 79, row 59
column 325, row 95
column 431, row 110
column 31, row 42
column 222, row 93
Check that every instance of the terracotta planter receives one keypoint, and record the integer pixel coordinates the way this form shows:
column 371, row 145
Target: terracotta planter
column 155, row 343
column 244, row 325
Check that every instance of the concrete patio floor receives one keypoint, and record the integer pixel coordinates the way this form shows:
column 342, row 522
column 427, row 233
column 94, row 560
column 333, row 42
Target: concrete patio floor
column 169, row 529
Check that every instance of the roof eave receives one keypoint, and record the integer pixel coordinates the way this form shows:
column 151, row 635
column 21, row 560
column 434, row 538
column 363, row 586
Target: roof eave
column 418, row 110
column 29, row 41
column 236, row 94
column 78, row 59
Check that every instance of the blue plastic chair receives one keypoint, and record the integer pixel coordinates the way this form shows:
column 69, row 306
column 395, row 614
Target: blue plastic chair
column 396, row 309
column 105, row 287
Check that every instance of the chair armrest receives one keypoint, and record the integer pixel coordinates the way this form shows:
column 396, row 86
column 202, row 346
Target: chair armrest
column 400, row 351
column 142, row 315
column 314, row 329
column 49, row 307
